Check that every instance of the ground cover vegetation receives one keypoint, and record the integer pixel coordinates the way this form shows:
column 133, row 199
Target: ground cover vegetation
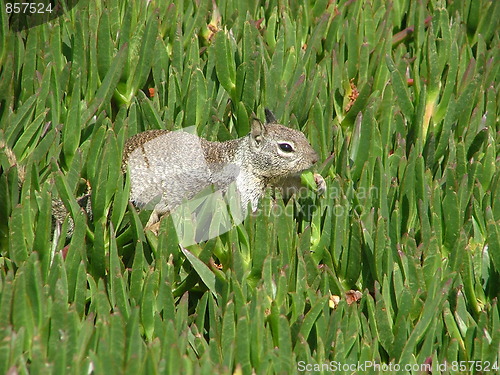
column 398, row 262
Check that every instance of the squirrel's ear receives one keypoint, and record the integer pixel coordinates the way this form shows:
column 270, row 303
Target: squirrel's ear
column 258, row 130
column 270, row 116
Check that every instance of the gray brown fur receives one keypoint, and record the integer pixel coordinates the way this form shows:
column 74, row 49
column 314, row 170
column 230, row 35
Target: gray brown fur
column 168, row 167
column 136, row 141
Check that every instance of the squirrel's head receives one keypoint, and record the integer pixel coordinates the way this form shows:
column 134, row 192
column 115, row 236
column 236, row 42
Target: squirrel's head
column 278, row 151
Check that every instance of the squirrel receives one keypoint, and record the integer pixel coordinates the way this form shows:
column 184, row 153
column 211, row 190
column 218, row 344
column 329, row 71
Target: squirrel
column 168, row 167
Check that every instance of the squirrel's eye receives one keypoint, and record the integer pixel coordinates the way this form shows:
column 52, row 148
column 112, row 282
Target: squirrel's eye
column 287, row 147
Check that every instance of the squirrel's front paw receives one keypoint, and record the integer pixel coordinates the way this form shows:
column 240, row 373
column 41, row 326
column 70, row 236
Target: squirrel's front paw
column 155, row 228
column 314, row 181
column 320, row 183
column 153, row 223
